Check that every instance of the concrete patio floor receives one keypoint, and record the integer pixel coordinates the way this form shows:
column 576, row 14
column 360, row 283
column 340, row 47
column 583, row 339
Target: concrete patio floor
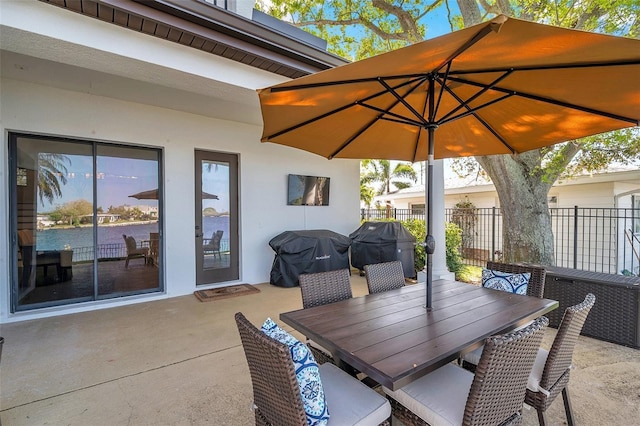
column 179, row 362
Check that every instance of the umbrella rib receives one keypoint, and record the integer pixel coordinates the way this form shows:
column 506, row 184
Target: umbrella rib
column 341, row 82
column 387, row 111
column 484, row 123
column 424, row 111
column 353, row 137
column 475, row 96
column 473, row 110
column 379, row 117
column 403, row 101
column 441, row 92
column 484, row 31
column 552, row 101
column 399, row 118
column 548, row 67
column 339, row 109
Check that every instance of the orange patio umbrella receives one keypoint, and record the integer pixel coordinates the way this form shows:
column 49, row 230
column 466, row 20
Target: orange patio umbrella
column 502, row 87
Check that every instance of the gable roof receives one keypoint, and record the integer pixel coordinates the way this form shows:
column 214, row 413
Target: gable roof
column 211, row 29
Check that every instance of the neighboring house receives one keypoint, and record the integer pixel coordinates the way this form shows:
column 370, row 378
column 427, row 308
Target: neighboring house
column 160, row 93
column 602, row 234
column 614, row 189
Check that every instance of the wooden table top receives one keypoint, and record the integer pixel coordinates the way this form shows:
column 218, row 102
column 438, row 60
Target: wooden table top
column 394, row 339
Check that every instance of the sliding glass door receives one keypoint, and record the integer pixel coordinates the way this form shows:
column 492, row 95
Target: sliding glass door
column 81, row 233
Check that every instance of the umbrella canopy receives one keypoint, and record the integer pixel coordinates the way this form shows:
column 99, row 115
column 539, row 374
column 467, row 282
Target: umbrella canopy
column 152, row 194
column 502, row 87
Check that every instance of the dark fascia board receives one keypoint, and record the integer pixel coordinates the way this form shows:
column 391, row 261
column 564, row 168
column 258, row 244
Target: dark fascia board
column 241, row 28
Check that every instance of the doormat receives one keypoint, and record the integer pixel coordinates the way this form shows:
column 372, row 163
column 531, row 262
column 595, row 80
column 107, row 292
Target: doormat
column 225, row 292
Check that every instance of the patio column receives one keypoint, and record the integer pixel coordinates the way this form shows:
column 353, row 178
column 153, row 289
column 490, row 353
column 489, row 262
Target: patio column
column 440, row 270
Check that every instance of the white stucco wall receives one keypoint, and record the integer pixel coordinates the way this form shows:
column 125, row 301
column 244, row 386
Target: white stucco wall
column 96, row 95
column 34, row 108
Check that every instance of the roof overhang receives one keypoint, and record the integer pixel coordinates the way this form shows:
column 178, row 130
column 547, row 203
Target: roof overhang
column 211, row 29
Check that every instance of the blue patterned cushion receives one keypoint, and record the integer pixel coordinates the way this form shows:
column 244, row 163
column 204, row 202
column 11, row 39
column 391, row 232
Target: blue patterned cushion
column 513, row 283
column 306, row 372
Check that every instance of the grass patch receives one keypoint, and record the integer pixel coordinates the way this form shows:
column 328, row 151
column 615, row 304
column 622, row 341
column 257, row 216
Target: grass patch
column 469, row 274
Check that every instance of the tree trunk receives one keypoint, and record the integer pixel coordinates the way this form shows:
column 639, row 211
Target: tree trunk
column 526, row 228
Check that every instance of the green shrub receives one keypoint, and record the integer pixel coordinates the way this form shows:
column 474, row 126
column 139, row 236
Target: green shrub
column 470, row 274
column 417, row 228
column 453, row 242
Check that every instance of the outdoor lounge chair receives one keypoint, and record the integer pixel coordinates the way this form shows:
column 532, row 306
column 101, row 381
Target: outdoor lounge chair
column 322, row 288
column 550, row 374
column 277, row 400
column 133, row 252
column 384, row 276
column 213, row 246
column 494, row 395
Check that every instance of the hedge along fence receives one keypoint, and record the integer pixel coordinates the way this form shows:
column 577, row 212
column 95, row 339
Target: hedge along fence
column 453, row 242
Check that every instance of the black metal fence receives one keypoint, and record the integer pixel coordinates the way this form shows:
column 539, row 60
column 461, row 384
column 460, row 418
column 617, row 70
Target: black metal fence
column 592, row 239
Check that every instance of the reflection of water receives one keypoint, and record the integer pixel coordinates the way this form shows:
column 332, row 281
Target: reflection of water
column 211, row 224
column 57, row 239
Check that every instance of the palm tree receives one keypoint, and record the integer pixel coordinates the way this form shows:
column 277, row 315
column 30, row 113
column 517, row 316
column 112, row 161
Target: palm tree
column 52, row 171
column 379, row 171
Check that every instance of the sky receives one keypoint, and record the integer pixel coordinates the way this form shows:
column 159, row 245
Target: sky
column 117, row 178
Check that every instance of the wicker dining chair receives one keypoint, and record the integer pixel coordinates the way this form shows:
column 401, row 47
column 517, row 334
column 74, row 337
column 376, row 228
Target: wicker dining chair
column 550, row 374
column 384, row 276
column 536, row 282
column 494, row 395
column 322, row 288
column 535, row 288
column 276, row 393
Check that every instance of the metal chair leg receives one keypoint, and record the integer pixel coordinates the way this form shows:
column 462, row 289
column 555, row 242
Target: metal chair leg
column 567, row 406
column 542, row 417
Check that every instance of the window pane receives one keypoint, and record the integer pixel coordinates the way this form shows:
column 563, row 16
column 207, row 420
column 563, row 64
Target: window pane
column 215, row 214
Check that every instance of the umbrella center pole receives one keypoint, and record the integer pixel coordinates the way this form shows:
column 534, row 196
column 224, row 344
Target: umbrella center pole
column 430, row 242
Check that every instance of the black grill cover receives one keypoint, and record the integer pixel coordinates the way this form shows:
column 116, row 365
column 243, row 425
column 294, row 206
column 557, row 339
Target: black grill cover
column 377, row 242
column 305, row 252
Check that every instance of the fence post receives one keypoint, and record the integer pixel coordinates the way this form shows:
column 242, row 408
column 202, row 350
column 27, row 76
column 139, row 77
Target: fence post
column 493, row 234
column 575, row 237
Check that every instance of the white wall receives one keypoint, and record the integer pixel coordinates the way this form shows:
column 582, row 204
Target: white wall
column 65, row 74
column 35, row 108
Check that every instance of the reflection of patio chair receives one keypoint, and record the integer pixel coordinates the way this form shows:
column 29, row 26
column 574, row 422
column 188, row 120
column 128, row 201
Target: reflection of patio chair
column 133, row 252
column 154, row 247
column 213, row 246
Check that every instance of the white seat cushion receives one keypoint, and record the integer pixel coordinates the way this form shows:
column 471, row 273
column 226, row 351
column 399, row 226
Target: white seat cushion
column 439, row 397
column 533, row 384
column 473, row 357
column 350, row 402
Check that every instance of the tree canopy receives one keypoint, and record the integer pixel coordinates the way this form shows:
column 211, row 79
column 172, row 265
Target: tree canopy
column 381, row 172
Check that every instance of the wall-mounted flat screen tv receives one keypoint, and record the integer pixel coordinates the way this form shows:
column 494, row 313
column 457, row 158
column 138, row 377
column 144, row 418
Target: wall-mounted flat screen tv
column 308, row 191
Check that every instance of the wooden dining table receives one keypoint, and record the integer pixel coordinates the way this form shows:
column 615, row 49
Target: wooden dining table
column 394, row 339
